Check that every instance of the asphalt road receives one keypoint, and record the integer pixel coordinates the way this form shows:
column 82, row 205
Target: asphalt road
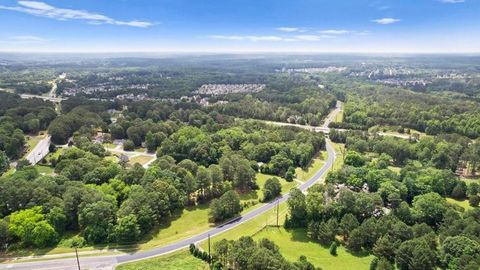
column 39, row 151
column 110, row 261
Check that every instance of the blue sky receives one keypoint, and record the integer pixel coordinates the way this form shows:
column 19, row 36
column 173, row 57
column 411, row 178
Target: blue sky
column 451, row 26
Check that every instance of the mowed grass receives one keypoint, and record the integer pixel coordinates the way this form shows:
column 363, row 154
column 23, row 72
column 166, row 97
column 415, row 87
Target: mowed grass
column 464, row 203
column 141, row 159
column 295, row 242
column 317, row 163
column 43, row 169
column 191, row 221
column 340, row 151
column 178, row 260
column 257, row 195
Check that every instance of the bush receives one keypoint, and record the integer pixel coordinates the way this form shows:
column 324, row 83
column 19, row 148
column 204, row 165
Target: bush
column 128, row 145
column 333, row 249
column 474, row 200
column 271, row 189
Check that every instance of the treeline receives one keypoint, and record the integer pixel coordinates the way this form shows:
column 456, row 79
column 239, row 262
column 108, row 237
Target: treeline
column 447, row 151
column 19, row 116
column 376, row 105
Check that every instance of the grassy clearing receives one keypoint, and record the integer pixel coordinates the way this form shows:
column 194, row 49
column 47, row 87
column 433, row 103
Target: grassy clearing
column 393, row 131
column 470, row 180
column 178, row 260
column 257, row 195
column 305, row 174
column 141, row 159
column 191, row 221
column 464, row 204
column 340, row 150
column 294, row 243
column 109, row 145
column 42, row 169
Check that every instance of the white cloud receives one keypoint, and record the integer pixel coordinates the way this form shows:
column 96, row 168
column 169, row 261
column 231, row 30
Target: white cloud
column 27, row 38
column 313, row 37
column 452, row 1
column 290, row 29
column 256, row 38
column 249, row 38
column 386, row 20
column 42, row 9
column 334, row 32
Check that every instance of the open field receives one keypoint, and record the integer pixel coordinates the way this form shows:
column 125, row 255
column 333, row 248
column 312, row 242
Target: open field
column 257, row 195
column 178, row 260
column 340, row 151
column 294, row 243
column 42, row 169
column 464, row 204
column 141, row 159
column 315, row 165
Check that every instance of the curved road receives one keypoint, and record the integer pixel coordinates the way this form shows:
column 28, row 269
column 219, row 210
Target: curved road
column 110, row 261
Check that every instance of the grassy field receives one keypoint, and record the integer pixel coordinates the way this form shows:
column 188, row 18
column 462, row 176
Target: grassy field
column 339, row 149
column 464, row 204
column 192, row 221
column 339, row 117
column 257, row 195
column 178, row 260
column 141, row 159
column 294, row 243
column 470, row 180
column 42, row 169
column 305, row 174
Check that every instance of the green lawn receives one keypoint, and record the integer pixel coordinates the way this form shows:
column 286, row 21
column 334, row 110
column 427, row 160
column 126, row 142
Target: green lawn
column 470, row 180
column 305, row 174
column 192, row 221
column 464, row 204
column 109, row 145
column 294, row 243
column 339, row 149
column 141, row 159
column 42, row 169
column 178, row 260
column 257, row 195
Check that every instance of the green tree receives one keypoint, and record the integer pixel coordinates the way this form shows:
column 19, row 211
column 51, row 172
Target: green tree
column 333, row 249
column 227, row 206
column 297, row 209
column 415, row 254
column 127, row 229
column 96, row 220
column 128, row 145
column 271, row 189
column 457, row 248
column 4, row 162
column 474, row 200
column 31, row 227
column 353, row 158
column 429, row 208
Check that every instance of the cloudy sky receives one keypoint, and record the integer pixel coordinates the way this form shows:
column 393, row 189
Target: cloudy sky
column 450, row 26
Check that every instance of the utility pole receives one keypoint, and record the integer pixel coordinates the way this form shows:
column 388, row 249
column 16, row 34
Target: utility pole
column 78, row 261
